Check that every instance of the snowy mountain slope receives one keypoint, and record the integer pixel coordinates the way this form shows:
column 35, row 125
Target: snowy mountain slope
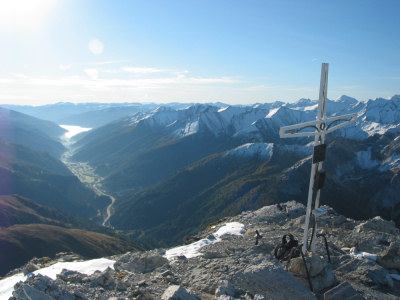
column 200, row 157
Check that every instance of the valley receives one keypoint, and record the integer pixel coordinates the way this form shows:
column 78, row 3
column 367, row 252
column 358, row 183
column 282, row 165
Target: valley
column 84, row 172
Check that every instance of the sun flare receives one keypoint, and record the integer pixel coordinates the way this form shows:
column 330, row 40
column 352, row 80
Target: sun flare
column 24, row 14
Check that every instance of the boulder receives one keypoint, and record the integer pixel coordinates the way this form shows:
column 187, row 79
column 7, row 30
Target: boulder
column 321, row 274
column 104, row 278
column 141, row 262
column 341, row 292
column 225, row 288
column 390, row 257
column 26, row 292
column 70, row 276
column 40, row 287
column 315, row 265
column 270, row 279
column 366, row 272
column 176, row 292
column 29, row 268
column 377, row 224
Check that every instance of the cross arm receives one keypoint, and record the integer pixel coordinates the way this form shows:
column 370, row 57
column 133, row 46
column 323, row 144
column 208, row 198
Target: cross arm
column 320, row 126
column 340, row 122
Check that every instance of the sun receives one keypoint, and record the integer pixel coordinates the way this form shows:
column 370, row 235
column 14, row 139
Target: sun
column 24, row 14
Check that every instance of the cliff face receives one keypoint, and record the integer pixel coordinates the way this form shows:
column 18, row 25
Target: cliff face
column 223, row 262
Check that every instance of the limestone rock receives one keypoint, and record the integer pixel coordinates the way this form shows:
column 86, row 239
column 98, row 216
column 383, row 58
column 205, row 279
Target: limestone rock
column 377, row 224
column 40, row 287
column 29, row 268
column 321, row 274
column 315, row 265
column 341, row 292
column 366, row 272
column 225, row 288
column 104, row 278
column 141, row 262
column 270, row 279
column 176, row 292
column 70, row 276
column 26, row 292
column 390, row 258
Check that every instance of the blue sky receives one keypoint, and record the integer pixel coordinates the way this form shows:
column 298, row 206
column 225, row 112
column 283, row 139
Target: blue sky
column 196, row 51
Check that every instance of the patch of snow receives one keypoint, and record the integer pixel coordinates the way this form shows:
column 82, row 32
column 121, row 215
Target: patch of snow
column 365, row 161
column 362, row 255
column 272, row 112
column 392, row 162
column 189, row 251
column 87, row 267
column 190, row 128
column 305, row 108
column 233, row 228
column 73, row 130
column 223, row 109
column 172, row 124
column 7, row 285
column 373, row 128
column 251, row 149
column 192, row 250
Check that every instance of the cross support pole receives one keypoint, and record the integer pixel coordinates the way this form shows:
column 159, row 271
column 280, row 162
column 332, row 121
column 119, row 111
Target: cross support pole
column 321, row 126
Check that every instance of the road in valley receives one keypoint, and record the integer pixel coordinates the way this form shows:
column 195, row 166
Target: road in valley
column 87, row 175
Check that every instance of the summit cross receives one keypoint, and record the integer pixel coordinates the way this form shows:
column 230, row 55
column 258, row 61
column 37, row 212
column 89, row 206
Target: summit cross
column 322, row 126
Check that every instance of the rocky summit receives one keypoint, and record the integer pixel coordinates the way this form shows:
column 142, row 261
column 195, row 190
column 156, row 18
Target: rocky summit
column 362, row 262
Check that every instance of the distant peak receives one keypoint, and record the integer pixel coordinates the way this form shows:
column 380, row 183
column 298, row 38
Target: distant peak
column 305, row 101
column 346, row 99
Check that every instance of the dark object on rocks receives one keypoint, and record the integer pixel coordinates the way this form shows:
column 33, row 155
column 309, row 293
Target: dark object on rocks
column 258, row 237
column 326, row 246
column 287, row 249
column 341, row 292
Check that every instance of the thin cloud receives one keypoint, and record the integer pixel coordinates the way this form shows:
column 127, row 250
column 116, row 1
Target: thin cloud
column 65, row 67
column 110, row 62
column 94, row 81
column 141, row 70
column 92, row 73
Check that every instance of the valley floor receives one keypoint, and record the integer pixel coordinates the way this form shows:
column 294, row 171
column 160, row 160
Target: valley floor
column 87, row 175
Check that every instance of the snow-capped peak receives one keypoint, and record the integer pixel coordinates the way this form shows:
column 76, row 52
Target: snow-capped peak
column 264, row 150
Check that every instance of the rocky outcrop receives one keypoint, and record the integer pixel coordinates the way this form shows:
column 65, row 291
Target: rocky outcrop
column 236, row 268
column 141, row 262
column 390, row 257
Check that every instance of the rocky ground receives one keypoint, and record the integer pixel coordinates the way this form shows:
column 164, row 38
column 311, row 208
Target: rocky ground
column 236, row 268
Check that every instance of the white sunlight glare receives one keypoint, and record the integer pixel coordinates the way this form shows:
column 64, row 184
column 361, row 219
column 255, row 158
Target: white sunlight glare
column 24, row 14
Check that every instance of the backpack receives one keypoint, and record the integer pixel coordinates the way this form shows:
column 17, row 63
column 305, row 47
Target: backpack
column 287, row 249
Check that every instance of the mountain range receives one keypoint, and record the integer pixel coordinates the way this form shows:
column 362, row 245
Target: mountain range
column 210, row 161
column 175, row 168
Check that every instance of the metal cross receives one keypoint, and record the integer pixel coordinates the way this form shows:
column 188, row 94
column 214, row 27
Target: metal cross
column 322, row 126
